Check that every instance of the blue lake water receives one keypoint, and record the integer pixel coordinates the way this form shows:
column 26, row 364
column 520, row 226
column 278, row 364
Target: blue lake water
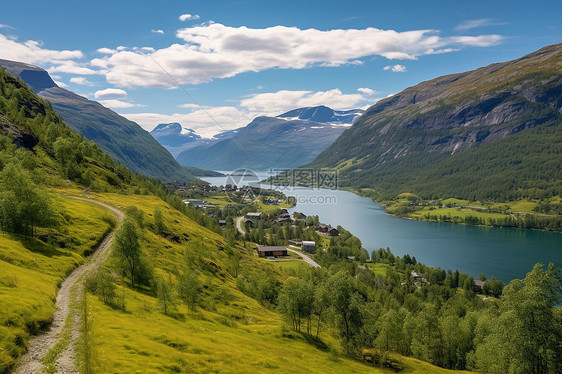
column 505, row 253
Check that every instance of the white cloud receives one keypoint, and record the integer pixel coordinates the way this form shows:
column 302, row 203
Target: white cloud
column 107, row 51
column 71, row 67
column 395, row 68
column 159, row 31
column 366, row 91
column 214, row 51
column 206, row 122
column 110, row 93
column 188, row 17
column 81, row 80
column 476, row 23
column 114, row 103
column 2, row 26
column 188, row 106
column 32, row 52
column 275, row 103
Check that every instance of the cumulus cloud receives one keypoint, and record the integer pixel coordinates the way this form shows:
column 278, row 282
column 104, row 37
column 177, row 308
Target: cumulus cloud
column 71, row 67
column 206, row 122
column 114, row 103
column 395, row 68
column 32, row 52
column 275, row 103
column 110, row 93
column 366, row 91
column 159, row 31
column 189, row 17
column 81, row 80
column 214, row 51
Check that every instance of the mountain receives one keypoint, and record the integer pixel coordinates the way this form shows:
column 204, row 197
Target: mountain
column 491, row 133
column 285, row 141
column 122, row 139
column 177, row 139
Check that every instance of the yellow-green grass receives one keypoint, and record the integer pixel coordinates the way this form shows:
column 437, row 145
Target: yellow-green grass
column 378, row 269
column 246, row 338
column 220, row 201
column 232, row 333
column 457, row 202
column 30, row 272
column 290, row 266
column 455, row 212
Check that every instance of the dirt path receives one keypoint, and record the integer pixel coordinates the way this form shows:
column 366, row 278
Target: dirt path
column 69, row 293
column 239, row 225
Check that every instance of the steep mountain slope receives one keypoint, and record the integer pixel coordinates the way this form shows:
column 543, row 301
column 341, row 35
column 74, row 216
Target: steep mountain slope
column 285, row 141
column 177, row 139
column 122, row 139
column 491, row 133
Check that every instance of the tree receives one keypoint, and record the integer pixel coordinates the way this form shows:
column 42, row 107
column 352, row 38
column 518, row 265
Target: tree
column 527, row 333
column 159, row 222
column 102, row 284
column 126, row 246
column 23, row 206
column 166, row 297
column 296, row 301
column 189, row 289
column 346, row 307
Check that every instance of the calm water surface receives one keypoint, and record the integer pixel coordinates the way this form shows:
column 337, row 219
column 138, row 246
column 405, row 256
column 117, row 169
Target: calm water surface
column 505, row 253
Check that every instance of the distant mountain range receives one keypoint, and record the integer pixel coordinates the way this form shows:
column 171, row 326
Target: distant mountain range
column 177, row 139
column 491, row 133
column 124, row 140
column 285, row 141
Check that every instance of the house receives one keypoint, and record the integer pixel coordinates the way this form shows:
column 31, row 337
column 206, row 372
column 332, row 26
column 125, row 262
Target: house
column 416, row 275
column 308, row 246
column 285, row 215
column 284, row 210
column 322, row 228
column 333, row 232
column 222, row 222
column 479, row 286
column 271, row 251
column 296, row 243
column 253, row 216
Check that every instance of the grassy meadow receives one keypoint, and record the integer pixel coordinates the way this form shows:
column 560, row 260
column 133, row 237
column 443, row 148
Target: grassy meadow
column 31, row 271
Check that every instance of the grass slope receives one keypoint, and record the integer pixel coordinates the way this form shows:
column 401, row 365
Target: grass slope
column 31, row 270
column 229, row 332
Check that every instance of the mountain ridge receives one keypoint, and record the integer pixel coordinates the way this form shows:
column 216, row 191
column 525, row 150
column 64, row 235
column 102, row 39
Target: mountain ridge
column 266, row 142
column 122, row 139
column 404, row 143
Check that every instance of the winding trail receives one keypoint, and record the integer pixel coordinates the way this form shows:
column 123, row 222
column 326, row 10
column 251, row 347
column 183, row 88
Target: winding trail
column 308, row 260
column 69, row 294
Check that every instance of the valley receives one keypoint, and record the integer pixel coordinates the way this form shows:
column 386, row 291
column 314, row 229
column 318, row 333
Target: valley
column 297, row 187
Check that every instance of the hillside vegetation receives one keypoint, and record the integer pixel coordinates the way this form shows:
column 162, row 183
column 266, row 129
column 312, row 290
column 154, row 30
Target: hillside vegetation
column 125, row 141
column 209, row 324
column 494, row 133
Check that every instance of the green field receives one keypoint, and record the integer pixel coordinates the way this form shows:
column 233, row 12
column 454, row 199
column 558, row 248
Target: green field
column 30, row 272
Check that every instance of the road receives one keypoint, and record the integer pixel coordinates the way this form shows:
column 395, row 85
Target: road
column 310, row 261
column 239, row 225
column 67, row 305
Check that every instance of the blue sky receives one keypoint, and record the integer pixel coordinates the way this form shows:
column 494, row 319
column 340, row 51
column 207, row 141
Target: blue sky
column 215, row 65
